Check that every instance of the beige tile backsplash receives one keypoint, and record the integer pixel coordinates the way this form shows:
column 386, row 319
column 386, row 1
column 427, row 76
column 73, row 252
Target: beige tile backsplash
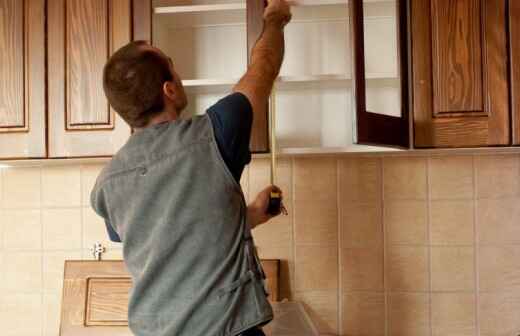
column 375, row 245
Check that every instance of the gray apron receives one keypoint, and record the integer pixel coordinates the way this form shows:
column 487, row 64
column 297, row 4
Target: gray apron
column 186, row 241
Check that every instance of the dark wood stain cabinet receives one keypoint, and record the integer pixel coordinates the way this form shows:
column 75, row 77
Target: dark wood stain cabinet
column 460, row 73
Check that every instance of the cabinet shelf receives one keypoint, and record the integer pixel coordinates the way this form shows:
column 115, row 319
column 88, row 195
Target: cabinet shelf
column 242, row 6
column 193, row 83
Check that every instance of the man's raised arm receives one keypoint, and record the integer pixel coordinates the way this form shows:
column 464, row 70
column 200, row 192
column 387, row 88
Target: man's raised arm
column 267, row 56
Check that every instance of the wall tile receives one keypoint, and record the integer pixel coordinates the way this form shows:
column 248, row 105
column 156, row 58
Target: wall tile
column 316, row 268
column 404, row 178
column 453, row 268
column 322, row 307
column 361, row 225
column 408, row 314
column 54, row 265
column 277, row 232
column 499, row 268
column 260, row 173
column 406, row 222
column 22, row 272
column 61, row 186
column 362, row 269
column 498, row 221
column 360, row 179
column 95, row 231
column 407, row 268
column 22, row 229
column 21, row 187
column 51, row 314
column 315, row 179
column 497, row 176
column 452, row 222
column 363, row 313
column 89, row 174
column 1, row 187
column 286, row 256
column 451, row 177
column 499, row 314
column 21, row 314
column 453, row 314
column 61, row 229
column 316, row 222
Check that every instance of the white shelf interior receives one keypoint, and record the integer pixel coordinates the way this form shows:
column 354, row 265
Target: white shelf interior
column 207, row 41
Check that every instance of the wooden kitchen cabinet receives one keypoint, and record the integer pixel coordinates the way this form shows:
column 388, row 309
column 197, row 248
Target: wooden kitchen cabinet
column 321, row 104
column 210, row 43
column 460, row 72
column 95, row 296
column 22, row 79
column 81, row 37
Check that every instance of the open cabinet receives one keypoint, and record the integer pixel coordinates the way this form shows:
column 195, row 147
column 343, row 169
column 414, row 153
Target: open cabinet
column 343, row 81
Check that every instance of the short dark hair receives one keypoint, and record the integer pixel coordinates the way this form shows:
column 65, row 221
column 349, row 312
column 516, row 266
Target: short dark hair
column 133, row 80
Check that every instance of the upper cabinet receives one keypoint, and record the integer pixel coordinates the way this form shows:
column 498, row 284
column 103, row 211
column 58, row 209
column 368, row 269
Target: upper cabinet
column 22, row 79
column 210, row 44
column 460, row 72
column 81, row 37
column 334, row 90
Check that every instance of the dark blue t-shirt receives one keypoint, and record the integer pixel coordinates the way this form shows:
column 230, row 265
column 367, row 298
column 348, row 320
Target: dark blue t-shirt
column 232, row 119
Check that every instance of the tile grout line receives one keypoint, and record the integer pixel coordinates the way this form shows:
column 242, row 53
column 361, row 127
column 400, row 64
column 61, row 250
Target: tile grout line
column 293, row 224
column 429, row 233
column 384, row 242
column 476, row 248
column 339, row 292
column 42, row 316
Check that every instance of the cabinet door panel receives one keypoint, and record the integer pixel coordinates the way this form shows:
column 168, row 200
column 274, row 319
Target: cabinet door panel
column 22, row 79
column 82, row 35
column 460, row 79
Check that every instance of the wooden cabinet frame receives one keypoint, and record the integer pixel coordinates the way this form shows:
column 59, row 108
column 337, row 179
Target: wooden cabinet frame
column 142, row 22
column 374, row 128
column 514, row 45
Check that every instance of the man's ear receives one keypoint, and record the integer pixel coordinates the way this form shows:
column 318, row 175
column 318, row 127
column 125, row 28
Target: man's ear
column 169, row 90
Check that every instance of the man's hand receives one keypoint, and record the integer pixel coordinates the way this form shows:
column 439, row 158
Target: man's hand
column 277, row 12
column 257, row 210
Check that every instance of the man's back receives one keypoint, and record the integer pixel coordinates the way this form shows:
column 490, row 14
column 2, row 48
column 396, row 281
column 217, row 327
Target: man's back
column 182, row 218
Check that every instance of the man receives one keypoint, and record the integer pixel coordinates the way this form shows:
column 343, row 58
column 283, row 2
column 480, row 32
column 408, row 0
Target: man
column 172, row 193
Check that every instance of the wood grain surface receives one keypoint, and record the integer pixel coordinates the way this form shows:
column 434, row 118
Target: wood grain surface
column 460, row 73
column 12, row 66
column 96, row 293
column 87, row 29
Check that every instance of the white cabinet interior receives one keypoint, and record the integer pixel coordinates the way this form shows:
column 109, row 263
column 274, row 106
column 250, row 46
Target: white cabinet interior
column 207, row 41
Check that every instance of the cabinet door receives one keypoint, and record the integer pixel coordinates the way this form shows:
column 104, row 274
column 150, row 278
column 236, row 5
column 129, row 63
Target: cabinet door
column 82, row 34
column 514, row 41
column 22, row 79
column 460, row 73
column 379, row 46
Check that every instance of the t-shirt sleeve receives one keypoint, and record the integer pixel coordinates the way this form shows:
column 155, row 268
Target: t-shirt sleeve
column 232, row 119
column 98, row 203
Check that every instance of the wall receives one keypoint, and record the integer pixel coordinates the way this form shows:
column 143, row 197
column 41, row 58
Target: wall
column 373, row 246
